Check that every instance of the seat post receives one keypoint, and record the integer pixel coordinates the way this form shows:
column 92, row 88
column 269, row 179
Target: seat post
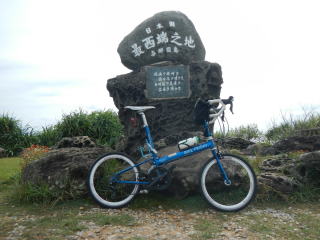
column 148, row 134
column 144, row 120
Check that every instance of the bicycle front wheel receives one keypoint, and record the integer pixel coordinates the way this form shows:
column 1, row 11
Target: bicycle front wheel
column 108, row 188
column 228, row 196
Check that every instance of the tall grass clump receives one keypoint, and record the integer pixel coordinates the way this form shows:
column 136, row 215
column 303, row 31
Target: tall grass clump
column 13, row 136
column 291, row 125
column 48, row 136
column 249, row 132
column 102, row 126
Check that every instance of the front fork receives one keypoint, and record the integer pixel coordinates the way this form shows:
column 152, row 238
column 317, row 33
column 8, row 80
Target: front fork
column 218, row 157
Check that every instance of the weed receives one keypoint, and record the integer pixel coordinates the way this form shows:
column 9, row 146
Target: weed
column 157, row 200
column 309, row 193
column 102, row 219
column 291, row 124
column 249, row 132
column 207, row 229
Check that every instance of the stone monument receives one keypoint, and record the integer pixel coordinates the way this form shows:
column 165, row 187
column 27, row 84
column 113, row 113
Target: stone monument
column 167, row 57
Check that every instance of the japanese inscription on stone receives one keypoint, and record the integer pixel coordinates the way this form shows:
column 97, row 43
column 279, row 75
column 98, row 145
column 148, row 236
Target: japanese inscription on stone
column 158, row 41
column 167, row 82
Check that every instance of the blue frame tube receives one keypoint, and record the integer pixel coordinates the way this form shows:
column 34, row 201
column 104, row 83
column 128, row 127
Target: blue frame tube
column 166, row 159
column 191, row 151
column 148, row 135
column 225, row 176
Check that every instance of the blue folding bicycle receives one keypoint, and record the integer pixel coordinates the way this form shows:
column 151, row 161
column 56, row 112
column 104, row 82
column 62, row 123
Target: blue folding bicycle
column 226, row 181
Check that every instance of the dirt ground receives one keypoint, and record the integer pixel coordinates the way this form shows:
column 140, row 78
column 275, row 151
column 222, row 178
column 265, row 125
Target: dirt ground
column 298, row 221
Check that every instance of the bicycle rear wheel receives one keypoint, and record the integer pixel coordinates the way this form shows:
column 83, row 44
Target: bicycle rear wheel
column 232, row 196
column 103, row 185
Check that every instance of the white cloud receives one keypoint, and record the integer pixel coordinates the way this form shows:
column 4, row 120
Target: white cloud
column 56, row 56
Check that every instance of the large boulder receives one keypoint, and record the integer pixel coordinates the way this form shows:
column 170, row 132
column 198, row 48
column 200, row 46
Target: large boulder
column 186, row 172
column 284, row 175
column 64, row 168
column 309, row 168
column 167, row 36
column 172, row 117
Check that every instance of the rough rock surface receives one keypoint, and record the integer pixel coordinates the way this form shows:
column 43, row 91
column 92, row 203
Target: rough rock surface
column 64, row 168
column 256, row 149
column 167, row 36
column 295, row 143
column 79, row 142
column 185, row 174
column 234, row 143
column 171, row 118
column 284, row 175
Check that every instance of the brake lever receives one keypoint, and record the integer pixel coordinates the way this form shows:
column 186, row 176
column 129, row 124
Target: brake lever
column 231, row 107
column 222, row 116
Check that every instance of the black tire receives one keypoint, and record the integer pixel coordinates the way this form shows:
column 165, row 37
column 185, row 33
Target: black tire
column 106, row 192
column 224, row 197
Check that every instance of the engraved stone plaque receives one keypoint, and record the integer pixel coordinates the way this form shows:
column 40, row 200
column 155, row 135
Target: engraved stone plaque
column 167, row 82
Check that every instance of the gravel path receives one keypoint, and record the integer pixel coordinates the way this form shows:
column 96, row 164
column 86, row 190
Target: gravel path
column 283, row 222
column 180, row 225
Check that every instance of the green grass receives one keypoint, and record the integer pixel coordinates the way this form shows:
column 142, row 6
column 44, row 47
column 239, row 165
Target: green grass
column 102, row 219
column 156, row 200
column 297, row 222
column 207, row 229
column 9, row 167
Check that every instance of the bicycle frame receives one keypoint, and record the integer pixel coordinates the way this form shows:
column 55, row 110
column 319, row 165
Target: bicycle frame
column 210, row 144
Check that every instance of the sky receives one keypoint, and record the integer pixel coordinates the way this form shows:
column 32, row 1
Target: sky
column 56, row 56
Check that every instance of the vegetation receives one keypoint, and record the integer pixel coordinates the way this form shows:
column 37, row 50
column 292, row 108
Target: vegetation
column 13, row 137
column 291, row 125
column 249, row 132
column 102, row 126
column 9, row 167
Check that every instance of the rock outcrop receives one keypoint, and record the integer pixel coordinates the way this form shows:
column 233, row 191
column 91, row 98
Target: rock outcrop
column 284, row 175
column 234, row 143
column 294, row 143
column 167, row 36
column 64, row 168
column 172, row 118
column 78, row 142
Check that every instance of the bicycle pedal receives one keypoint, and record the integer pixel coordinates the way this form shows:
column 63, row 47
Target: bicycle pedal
column 145, row 191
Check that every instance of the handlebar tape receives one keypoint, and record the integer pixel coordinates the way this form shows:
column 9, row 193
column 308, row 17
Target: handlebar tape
column 229, row 101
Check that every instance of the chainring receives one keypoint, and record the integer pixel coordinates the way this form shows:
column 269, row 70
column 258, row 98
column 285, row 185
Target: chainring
column 160, row 178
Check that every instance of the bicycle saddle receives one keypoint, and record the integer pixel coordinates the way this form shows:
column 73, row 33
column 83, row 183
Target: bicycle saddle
column 139, row 108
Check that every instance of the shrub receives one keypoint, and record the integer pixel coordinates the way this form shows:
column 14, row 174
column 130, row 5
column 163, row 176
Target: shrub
column 49, row 136
column 249, row 132
column 291, row 124
column 102, row 126
column 14, row 137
